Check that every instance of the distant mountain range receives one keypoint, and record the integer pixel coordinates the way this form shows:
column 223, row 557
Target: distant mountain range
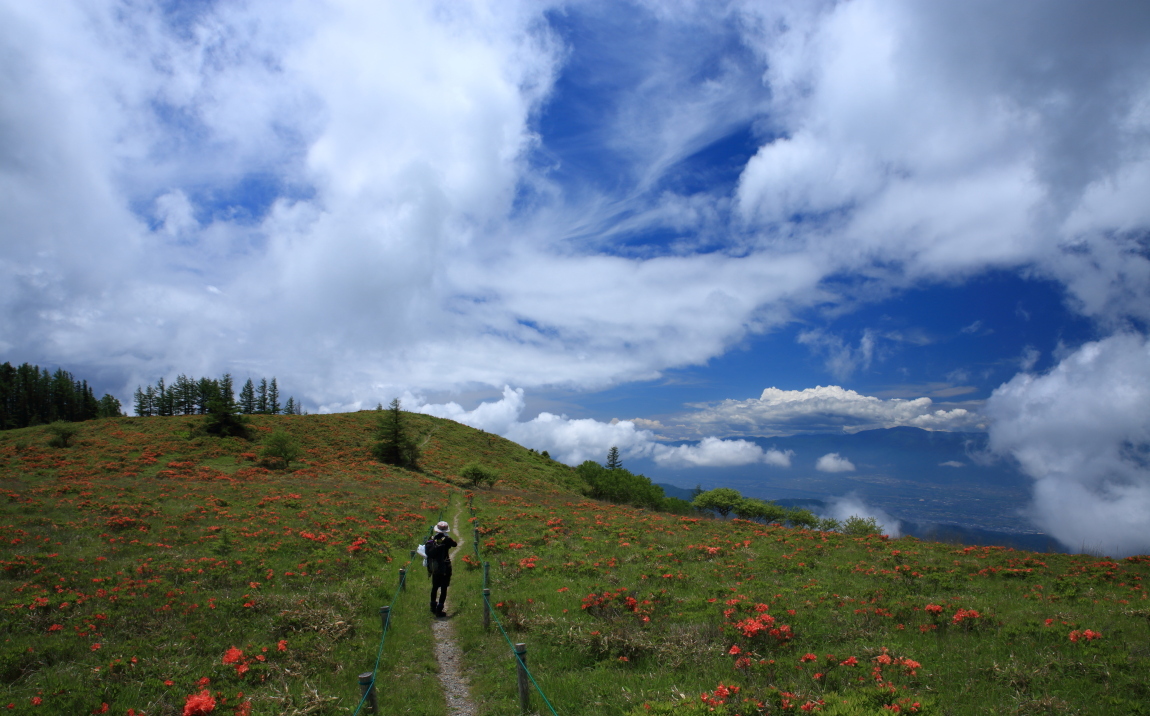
column 941, row 485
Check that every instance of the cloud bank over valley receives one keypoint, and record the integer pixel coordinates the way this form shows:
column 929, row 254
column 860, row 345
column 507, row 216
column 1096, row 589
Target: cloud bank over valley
column 573, row 441
column 1082, row 432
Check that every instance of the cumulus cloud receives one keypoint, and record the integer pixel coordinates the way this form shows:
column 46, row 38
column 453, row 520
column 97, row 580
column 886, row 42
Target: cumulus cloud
column 897, row 145
column 713, row 452
column 574, row 440
column 371, row 193
column 833, row 462
column 843, row 508
column 821, row 409
column 1082, row 432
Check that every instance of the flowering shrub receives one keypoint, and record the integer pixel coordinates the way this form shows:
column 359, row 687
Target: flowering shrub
column 199, row 704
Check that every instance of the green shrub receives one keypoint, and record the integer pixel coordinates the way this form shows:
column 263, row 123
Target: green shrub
column 829, row 524
column 799, row 517
column 676, row 506
column 279, row 449
column 723, row 500
column 620, row 485
column 62, row 433
column 477, row 474
column 856, row 526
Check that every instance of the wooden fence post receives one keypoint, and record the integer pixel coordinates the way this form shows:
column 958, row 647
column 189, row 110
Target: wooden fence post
column 367, row 688
column 384, row 613
column 524, row 685
column 486, row 568
column 402, row 579
column 486, row 609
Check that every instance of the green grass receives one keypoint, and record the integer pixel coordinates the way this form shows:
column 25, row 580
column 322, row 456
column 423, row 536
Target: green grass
column 167, row 549
column 862, row 598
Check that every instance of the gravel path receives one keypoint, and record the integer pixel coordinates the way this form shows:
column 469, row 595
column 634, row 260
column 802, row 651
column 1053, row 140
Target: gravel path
column 449, row 656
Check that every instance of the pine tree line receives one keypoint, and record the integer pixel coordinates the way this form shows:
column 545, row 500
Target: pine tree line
column 30, row 395
column 188, row 396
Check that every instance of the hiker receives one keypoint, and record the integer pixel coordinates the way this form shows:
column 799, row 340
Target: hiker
column 438, row 550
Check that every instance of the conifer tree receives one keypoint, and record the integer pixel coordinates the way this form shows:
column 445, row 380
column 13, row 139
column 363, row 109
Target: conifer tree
column 183, row 393
column 273, row 397
column 225, row 389
column 140, row 403
column 248, row 398
column 613, row 461
column 163, row 399
column 262, row 397
column 110, row 407
column 207, row 390
column 225, row 416
column 395, row 446
column 289, row 407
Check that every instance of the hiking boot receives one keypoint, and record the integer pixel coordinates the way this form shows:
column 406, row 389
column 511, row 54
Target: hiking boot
column 441, row 614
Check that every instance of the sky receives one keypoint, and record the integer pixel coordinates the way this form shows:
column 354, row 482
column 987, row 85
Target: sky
column 584, row 224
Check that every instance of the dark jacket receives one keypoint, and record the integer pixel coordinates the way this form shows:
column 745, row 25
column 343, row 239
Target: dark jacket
column 438, row 550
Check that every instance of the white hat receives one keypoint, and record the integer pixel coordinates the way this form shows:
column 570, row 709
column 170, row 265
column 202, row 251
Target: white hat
column 442, row 527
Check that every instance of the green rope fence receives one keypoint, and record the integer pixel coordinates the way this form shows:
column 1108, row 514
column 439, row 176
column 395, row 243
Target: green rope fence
column 491, row 610
column 522, row 664
column 370, row 685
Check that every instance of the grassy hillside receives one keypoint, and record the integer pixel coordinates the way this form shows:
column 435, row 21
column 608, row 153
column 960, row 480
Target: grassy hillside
column 147, row 568
column 632, row 612
column 135, row 559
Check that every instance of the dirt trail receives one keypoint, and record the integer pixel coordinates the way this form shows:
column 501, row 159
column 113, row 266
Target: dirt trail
column 447, row 651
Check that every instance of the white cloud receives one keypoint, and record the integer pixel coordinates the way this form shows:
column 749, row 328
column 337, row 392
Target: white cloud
column 422, row 235
column 1029, row 358
column 932, row 135
column 820, row 409
column 713, row 452
column 833, row 462
column 841, row 359
column 574, row 440
column 952, row 463
column 1082, row 432
column 843, row 508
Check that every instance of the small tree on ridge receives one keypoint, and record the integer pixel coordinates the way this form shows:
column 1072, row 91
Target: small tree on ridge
column 395, row 446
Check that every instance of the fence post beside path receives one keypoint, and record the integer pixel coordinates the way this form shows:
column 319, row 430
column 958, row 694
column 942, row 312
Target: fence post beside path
column 486, row 609
column 367, row 691
column 402, row 579
column 524, row 684
column 486, row 569
column 384, row 613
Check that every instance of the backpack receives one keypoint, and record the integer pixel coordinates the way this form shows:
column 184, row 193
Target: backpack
column 433, row 553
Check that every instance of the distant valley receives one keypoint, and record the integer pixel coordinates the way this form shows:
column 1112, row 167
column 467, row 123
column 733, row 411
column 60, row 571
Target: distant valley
column 938, row 484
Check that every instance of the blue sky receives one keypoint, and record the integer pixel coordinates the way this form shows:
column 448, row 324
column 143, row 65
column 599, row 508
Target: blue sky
column 587, row 223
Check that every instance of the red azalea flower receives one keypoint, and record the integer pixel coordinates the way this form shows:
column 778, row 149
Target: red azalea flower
column 233, row 655
column 199, row 704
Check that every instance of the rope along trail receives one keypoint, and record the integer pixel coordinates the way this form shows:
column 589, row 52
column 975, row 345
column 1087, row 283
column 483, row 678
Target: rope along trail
column 447, row 651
